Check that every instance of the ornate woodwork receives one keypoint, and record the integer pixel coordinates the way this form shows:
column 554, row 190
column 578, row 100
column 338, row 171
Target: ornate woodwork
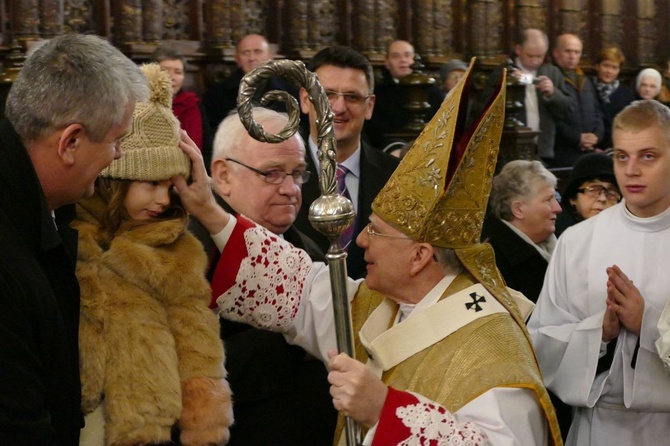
column 206, row 30
column 439, row 29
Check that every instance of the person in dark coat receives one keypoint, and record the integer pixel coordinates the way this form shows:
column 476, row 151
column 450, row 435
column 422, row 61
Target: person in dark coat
column 521, row 224
column 390, row 114
column 520, row 227
column 273, row 382
column 591, row 189
column 251, row 51
column 347, row 77
column 613, row 95
column 581, row 131
column 54, row 143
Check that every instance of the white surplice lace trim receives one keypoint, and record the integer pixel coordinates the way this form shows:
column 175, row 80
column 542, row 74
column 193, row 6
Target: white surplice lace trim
column 269, row 284
column 432, row 424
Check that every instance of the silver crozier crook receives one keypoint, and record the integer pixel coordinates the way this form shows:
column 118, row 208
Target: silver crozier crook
column 331, row 213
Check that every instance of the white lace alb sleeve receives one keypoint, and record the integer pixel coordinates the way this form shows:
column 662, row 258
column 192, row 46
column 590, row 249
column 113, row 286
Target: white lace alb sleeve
column 269, row 283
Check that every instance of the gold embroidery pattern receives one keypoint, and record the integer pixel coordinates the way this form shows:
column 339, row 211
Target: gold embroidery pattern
column 417, row 200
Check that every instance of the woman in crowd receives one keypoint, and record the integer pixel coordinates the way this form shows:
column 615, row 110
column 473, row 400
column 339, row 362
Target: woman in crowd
column 150, row 354
column 521, row 224
column 648, row 84
column 612, row 94
column 185, row 104
column 591, row 189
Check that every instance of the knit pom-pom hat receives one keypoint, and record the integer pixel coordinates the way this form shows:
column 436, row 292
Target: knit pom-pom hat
column 151, row 152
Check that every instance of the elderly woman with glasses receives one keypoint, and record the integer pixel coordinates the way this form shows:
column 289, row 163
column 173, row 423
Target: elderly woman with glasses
column 591, row 189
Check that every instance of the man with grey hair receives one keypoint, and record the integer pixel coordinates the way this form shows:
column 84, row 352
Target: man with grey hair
column 66, row 112
column 263, row 181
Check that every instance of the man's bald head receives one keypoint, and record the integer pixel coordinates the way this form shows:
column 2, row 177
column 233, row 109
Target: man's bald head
column 251, row 51
column 568, row 51
column 531, row 48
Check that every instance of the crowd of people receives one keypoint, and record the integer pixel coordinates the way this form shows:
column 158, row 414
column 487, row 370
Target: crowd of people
column 161, row 282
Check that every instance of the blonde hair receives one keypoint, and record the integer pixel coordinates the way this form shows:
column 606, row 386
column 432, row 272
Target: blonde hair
column 641, row 115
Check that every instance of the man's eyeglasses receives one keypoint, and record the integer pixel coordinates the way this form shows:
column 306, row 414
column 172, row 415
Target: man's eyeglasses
column 371, row 232
column 349, row 98
column 277, row 176
column 595, row 190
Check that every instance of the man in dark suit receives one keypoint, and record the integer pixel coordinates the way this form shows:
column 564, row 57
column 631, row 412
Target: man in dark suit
column 391, row 115
column 347, row 77
column 270, row 379
column 251, row 51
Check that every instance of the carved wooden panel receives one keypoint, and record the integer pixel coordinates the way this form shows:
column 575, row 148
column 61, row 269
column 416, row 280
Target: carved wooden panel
column 373, row 26
column 78, row 16
column 51, row 18
column 218, row 24
column 437, row 28
column 646, row 31
column 433, row 31
column 572, row 15
column 152, row 20
column 247, row 17
column 611, row 29
column 26, row 19
column 485, row 29
column 311, row 26
column 531, row 14
column 127, row 28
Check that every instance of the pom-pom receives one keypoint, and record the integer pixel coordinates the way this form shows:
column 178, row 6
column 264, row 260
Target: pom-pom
column 160, row 84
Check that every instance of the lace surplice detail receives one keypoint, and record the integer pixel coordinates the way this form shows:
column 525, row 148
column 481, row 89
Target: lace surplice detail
column 432, row 424
column 269, row 283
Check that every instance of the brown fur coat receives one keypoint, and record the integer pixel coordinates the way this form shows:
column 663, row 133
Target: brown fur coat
column 150, row 351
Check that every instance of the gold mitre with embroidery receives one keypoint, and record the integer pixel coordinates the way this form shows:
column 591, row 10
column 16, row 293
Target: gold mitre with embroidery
column 439, row 192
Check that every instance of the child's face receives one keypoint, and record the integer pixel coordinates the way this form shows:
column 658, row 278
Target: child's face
column 147, row 199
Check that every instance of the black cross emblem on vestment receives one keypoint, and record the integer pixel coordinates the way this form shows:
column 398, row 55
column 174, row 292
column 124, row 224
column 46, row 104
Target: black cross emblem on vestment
column 476, row 300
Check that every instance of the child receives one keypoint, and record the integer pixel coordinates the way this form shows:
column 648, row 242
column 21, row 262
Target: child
column 150, row 353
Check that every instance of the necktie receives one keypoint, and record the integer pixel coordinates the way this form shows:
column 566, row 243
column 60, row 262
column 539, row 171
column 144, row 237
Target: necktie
column 348, row 233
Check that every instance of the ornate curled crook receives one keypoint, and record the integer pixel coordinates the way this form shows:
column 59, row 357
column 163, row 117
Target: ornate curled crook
column 331, row 213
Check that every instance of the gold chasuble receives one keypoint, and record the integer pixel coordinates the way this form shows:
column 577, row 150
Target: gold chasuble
column 489, row 352
column 438, row 195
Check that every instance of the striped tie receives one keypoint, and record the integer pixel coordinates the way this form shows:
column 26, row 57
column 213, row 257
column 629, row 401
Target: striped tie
column 342, row 190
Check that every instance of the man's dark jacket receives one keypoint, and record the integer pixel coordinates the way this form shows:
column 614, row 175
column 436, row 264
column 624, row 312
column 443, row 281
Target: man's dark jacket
column 585, row 117
column 376, row 169
column 280, row 396
column 221, row 98
column 40, row 390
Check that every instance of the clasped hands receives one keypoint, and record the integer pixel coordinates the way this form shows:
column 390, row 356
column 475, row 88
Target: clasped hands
column 625, row 305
